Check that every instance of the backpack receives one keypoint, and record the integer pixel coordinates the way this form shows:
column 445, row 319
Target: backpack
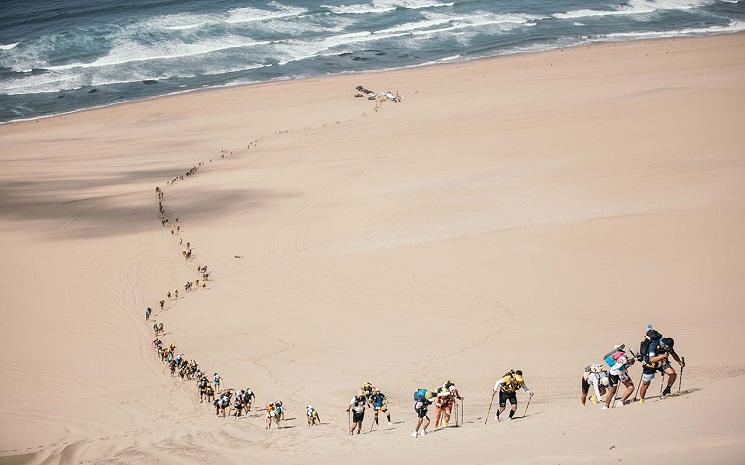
column 652, row 335
column 420, row 395
column 612, row 358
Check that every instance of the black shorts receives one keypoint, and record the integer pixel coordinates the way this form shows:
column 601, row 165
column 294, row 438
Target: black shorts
column 421, row 412
column 505, row 396
column 585, row 386
column 613, row 380
column 358, row 417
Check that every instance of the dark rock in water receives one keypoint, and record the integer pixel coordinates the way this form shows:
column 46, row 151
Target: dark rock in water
column 93, row 91
column 60, row 96
column 149, row 82
column 360, row 59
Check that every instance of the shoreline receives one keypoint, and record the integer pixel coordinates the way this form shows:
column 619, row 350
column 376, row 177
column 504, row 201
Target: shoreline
column 443, row 62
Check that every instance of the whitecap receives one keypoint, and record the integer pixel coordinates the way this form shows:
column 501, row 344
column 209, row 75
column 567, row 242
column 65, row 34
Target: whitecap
column 358, row 9
column 8, row 46
column 130, row 52
column 635, row 7
column 733, row 26
column 249, row 14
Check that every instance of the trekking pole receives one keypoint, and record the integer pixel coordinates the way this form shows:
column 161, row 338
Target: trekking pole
column 638, row 385
column 527, row 405
column 680, row 381
column 456, row 413
column 490, row 404
column 463, row 407
column 662, row 386
column 349, row 421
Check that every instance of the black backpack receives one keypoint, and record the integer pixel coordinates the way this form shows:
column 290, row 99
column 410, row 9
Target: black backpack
column 643, row 355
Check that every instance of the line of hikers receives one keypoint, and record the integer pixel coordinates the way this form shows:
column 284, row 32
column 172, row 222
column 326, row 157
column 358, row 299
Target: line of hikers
column 654, row 356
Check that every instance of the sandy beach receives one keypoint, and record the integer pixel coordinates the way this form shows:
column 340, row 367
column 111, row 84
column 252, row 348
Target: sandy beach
column 524, row 212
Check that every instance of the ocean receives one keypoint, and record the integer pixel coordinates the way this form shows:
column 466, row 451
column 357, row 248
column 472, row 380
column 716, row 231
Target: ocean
column 58, row 56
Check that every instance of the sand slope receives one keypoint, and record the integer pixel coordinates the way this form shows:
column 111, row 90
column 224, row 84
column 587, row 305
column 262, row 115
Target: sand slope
column 526, row 212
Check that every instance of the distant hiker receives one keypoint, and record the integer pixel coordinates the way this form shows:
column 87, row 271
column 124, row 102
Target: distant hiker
column 209, row 393
column 422, row 399
column 162, row 303
column 160, row 328
column 148, row 312
column 279, row 407
column 655, row 351
column 312, row 415
column 169, row 294
column 368, row 389
column 270, row 414
column 507, row 387
column 380, row 404
column 619, row 362
column 202, row 387
column 446, row 397
column 237, row 409
column 357, row 407
column 596, row 377
column 216, row 381
column 248, row 398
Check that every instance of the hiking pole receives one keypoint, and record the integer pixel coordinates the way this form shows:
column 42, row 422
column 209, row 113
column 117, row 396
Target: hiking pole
column 349, row 421
column 490, row 404
column 527, row 405
column 680, row 381
column 463, row 407
column 456, row 413
column 638, row 385
column 662, row 386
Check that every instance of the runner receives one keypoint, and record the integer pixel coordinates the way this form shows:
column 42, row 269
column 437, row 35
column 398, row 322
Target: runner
column 619, row 373
column 380, row 404
column 312, row 414
column 249, row 398
column 422, row 399
column 597, row 377
column 357, row 407
column 507, row 387
column 656, row 356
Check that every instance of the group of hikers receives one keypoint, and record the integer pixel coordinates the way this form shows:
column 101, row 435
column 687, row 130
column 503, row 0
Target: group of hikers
column 599, row 381
column 654, row 356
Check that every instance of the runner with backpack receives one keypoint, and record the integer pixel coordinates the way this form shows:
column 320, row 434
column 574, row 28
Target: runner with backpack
column 619, row 361
column 507, row 387
column 422, row 400
column 379, row 403
column 597, row 377
column 654, row 353
column 357, row 407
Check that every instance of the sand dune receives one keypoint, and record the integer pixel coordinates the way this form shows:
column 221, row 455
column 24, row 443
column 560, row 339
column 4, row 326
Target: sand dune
column 525, row 212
